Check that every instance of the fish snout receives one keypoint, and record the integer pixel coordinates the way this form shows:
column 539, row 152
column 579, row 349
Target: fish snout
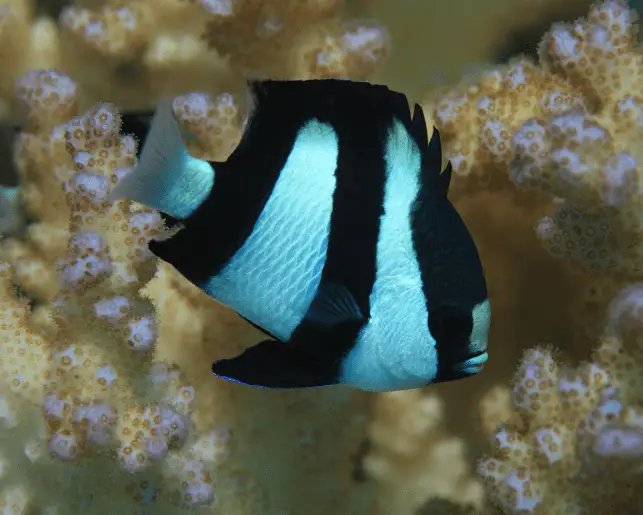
column 471, row 366
column 461, row 369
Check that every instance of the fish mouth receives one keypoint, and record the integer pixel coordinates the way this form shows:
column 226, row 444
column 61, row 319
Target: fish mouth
column 480, row 357
column 471, row 366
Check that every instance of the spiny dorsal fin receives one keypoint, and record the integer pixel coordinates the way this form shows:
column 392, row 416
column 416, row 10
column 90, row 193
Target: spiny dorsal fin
column 434, row 152
column 434, row 162
column 166, row 177
column 419, row 126
column 445, row 177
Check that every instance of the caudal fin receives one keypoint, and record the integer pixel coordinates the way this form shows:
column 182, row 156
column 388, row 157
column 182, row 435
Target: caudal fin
column 166, row 177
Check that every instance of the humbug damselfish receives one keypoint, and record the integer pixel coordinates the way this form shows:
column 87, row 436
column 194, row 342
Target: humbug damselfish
column 328, row 228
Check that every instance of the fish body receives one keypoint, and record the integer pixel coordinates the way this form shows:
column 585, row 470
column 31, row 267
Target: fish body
column 329, row 228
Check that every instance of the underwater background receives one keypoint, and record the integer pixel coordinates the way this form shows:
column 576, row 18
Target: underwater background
column 107, row 403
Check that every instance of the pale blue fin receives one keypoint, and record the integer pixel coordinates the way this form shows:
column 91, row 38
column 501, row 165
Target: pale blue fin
column 166, row 177
column 333, row 304
column 11, row 217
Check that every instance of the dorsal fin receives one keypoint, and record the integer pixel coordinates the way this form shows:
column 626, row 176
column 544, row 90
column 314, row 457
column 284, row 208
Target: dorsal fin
column 431, row 152
column 445, row 177
column 326, row 99
column 432, row 164
column 419, row 127
column 434, row 152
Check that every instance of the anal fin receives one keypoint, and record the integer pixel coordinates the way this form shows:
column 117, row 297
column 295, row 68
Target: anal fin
column 272, row 364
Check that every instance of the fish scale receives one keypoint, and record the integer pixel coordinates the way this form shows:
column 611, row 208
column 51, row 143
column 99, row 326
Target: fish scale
column 274, row 276
column 403, row 350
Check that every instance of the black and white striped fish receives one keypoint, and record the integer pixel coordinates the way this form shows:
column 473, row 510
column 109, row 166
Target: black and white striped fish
column 329, row 228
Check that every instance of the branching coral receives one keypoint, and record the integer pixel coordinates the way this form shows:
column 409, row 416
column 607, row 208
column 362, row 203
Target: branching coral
column 413, row 458
column 131, row 52
column 300, row 39
column 212, row 123
column 82, row 375
column 104, row 353
column 579, row 443
column 92, row 392
column 568, row 128
column 25, row 43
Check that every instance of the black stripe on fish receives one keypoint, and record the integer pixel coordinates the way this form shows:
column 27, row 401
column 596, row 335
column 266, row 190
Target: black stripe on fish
column 220, row 226
column 362, row 116
column 243, row 185
column 452, row 286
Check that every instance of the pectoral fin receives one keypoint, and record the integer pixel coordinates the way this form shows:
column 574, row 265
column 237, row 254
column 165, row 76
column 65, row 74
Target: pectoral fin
column 333, row 305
